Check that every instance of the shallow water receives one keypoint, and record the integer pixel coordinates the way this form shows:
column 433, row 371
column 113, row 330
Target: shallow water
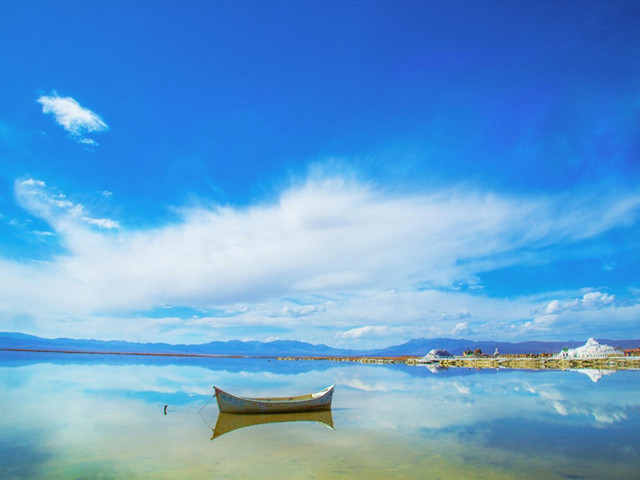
column 77, row 416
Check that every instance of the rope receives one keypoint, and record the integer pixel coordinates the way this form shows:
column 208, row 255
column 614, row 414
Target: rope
column 200, row 411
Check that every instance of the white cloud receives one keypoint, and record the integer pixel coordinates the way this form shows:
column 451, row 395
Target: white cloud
column 583, row 315
column 55, row 208
column 44, row 234
column 368, row 331
column 589, row 301
column 102, row 222
column 461, row 327
column 326, row 255
column 73, row 117
column 302, row 310
column 539, row 324
column 33, row 182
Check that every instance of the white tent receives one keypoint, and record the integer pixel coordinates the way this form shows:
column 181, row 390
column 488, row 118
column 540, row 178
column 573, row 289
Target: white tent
column 591, row 349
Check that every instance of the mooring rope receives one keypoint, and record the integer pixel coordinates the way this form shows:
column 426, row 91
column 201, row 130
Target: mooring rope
column 200, row 411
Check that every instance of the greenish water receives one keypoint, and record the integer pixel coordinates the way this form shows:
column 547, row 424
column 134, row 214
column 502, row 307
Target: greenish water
column 88, row 417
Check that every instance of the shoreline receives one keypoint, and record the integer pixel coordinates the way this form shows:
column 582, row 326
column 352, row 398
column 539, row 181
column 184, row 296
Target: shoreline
column 532, row 362
column 143, row 354
column 548, row 363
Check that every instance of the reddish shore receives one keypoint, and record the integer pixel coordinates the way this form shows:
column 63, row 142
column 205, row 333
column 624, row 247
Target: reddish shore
column 401, row 359
column 146, row 354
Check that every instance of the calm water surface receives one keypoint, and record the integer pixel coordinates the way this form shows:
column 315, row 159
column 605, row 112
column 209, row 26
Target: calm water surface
column 86, row 417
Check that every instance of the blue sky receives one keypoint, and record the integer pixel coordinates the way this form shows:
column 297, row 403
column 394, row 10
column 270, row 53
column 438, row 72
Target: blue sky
column 348, row 173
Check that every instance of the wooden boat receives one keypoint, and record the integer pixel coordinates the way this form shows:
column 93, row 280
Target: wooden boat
column 228, row 403
column 227, row 422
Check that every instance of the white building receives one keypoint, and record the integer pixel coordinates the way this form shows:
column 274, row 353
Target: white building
column 591, row 349
column 434, row 355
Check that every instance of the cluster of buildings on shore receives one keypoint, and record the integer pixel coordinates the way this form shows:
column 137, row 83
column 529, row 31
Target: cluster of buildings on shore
column 591, row 349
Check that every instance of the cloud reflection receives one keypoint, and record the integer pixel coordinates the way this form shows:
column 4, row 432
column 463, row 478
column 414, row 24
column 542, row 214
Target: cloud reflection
column 114, row 412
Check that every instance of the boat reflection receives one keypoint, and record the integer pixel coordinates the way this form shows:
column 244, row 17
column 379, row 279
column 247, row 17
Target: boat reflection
column 227, row 422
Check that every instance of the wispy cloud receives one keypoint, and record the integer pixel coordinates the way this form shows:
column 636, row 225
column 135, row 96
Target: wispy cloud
column 326, row 254
column 55, row 207
column 44, row 234
column 73, row 117
column 302, row 310
column 102, row 222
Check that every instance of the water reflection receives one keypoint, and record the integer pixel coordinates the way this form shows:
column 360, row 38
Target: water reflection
column 227, row 422
column 394, row 421
column 594, row 374
column 434, row 368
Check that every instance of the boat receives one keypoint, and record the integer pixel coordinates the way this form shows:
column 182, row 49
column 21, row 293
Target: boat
column 228, row 403
column 227, row 422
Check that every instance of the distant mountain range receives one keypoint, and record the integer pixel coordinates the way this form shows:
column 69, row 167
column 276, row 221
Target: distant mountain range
column 233, row 347
column 415, row 347
column 421, row 346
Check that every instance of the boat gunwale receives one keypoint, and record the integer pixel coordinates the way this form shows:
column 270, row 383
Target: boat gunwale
column 281, row 400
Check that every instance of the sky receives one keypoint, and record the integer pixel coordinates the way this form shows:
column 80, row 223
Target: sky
column 351, row 173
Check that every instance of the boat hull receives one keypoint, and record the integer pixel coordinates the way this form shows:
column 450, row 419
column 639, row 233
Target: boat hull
column 228, row 403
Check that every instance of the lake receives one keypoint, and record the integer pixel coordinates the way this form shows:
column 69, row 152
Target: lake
column 102, row 417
